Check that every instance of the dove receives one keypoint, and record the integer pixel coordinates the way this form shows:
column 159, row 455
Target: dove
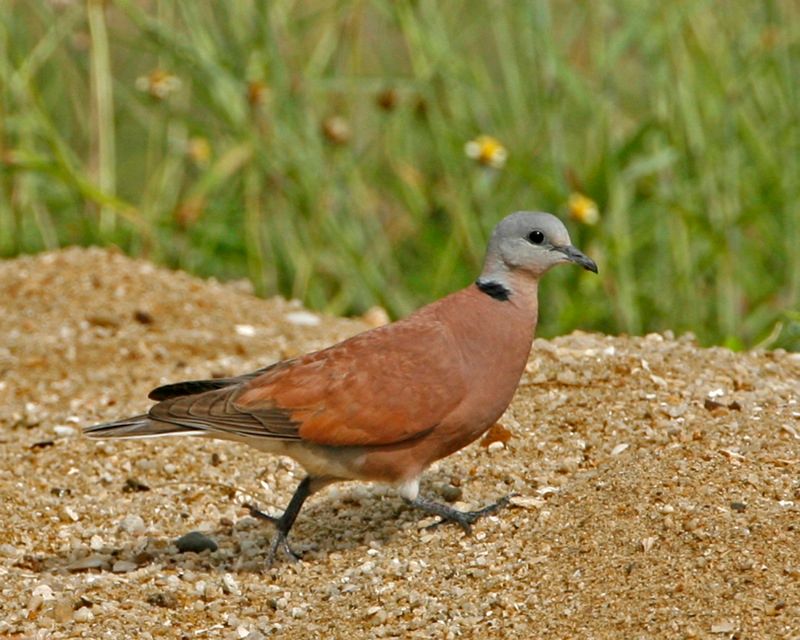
column 385, row 404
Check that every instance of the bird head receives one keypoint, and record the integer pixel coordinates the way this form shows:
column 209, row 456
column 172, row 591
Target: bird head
column 531, row 243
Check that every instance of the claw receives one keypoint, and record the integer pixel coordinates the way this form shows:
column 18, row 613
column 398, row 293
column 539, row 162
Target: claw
column 255, row 512
column 464, row 519
column 280, row 541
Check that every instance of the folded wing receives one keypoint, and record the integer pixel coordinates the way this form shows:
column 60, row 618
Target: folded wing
column 380, row 387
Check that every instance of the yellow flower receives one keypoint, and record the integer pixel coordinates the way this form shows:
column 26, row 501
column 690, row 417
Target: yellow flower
column 199, row 150
column 336, row 129
column 583, row 209
column 487, row 150
column 158, row 83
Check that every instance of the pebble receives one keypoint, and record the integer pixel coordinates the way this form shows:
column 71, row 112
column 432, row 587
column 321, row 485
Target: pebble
column 303, row 318
column 63, row 610
column 229, row 584
column 165, row 599
column 44, row 591
column 63, row 431
column 123, row 566
column 246, row 330
column 195, row 541
column 90, row 562
column 68, row 514
column 648, row 543
column 450, row 493
column 133, row 524
column 242, row 631
column 376, row 317
column 620, row 448
column 526, row 502
column 84, row 614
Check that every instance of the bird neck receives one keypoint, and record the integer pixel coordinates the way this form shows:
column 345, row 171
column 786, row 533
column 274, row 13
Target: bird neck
column 514, row 287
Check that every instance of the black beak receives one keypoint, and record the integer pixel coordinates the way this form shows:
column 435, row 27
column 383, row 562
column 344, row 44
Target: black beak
column 579, row 258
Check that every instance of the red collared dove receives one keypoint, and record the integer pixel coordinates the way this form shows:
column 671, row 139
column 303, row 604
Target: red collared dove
column 384, row 404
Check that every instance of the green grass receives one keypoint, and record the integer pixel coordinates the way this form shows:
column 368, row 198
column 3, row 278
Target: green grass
column 679, row 119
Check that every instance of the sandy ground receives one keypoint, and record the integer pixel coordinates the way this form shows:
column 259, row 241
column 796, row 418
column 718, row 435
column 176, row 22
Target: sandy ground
column 659, row 485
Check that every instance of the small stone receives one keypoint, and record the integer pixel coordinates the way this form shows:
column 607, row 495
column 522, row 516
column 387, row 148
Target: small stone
column 496, row 433
column 648, row 543
column 90, row 562
column 96, row 543
column 229, row 584
column 63, row 610
column 428, row 522
column 34, row 604
column 620, row 448
column 450, row 493
column 165, row 599
column 246, row 330
column 133, row 524
column 725, row 626
column 303, row 319
column 83, row 614
column 68, row 514
column 133, row 485
column 123, row 566
column 738, row 506
column 196, row 542
column 775, row 609
column 103, row 320
column 64, row 431
column 367, row 567
column 44, row 591
column 376, row 317
column 526, row 502
column 143, row 317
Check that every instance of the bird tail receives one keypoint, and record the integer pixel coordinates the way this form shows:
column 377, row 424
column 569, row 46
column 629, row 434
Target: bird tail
column 141, row 426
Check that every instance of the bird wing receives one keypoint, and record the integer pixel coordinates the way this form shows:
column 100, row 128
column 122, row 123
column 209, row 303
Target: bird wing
column 379, row 387
column 191, row 387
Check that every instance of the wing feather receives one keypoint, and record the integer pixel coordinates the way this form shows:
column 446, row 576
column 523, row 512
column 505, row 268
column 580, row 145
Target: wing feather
column 380, row 387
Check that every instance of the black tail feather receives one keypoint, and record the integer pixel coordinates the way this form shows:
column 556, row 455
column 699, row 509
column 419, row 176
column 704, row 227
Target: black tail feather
column 140, row 426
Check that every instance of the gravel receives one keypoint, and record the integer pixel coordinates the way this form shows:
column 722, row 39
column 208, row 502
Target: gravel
column 656, row 482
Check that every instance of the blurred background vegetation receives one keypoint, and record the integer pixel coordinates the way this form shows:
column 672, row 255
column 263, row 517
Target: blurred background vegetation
column 330, row 150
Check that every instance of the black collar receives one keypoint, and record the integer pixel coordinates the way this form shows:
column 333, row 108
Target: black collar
column 494, row 289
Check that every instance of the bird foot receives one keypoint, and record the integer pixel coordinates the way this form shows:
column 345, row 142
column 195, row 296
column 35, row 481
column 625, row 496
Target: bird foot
column 464, row 519
column 279, row 541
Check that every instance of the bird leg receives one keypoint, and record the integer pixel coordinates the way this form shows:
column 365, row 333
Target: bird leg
column 448, row 514
column 285, row 522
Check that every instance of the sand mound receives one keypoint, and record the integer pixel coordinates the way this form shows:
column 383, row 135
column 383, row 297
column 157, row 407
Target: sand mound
column 658, row 482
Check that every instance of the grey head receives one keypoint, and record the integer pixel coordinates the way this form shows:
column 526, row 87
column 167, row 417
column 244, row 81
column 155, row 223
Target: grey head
column 532, row 243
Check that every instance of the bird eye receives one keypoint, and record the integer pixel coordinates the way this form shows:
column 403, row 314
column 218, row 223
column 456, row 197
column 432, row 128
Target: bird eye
column 536, row 237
